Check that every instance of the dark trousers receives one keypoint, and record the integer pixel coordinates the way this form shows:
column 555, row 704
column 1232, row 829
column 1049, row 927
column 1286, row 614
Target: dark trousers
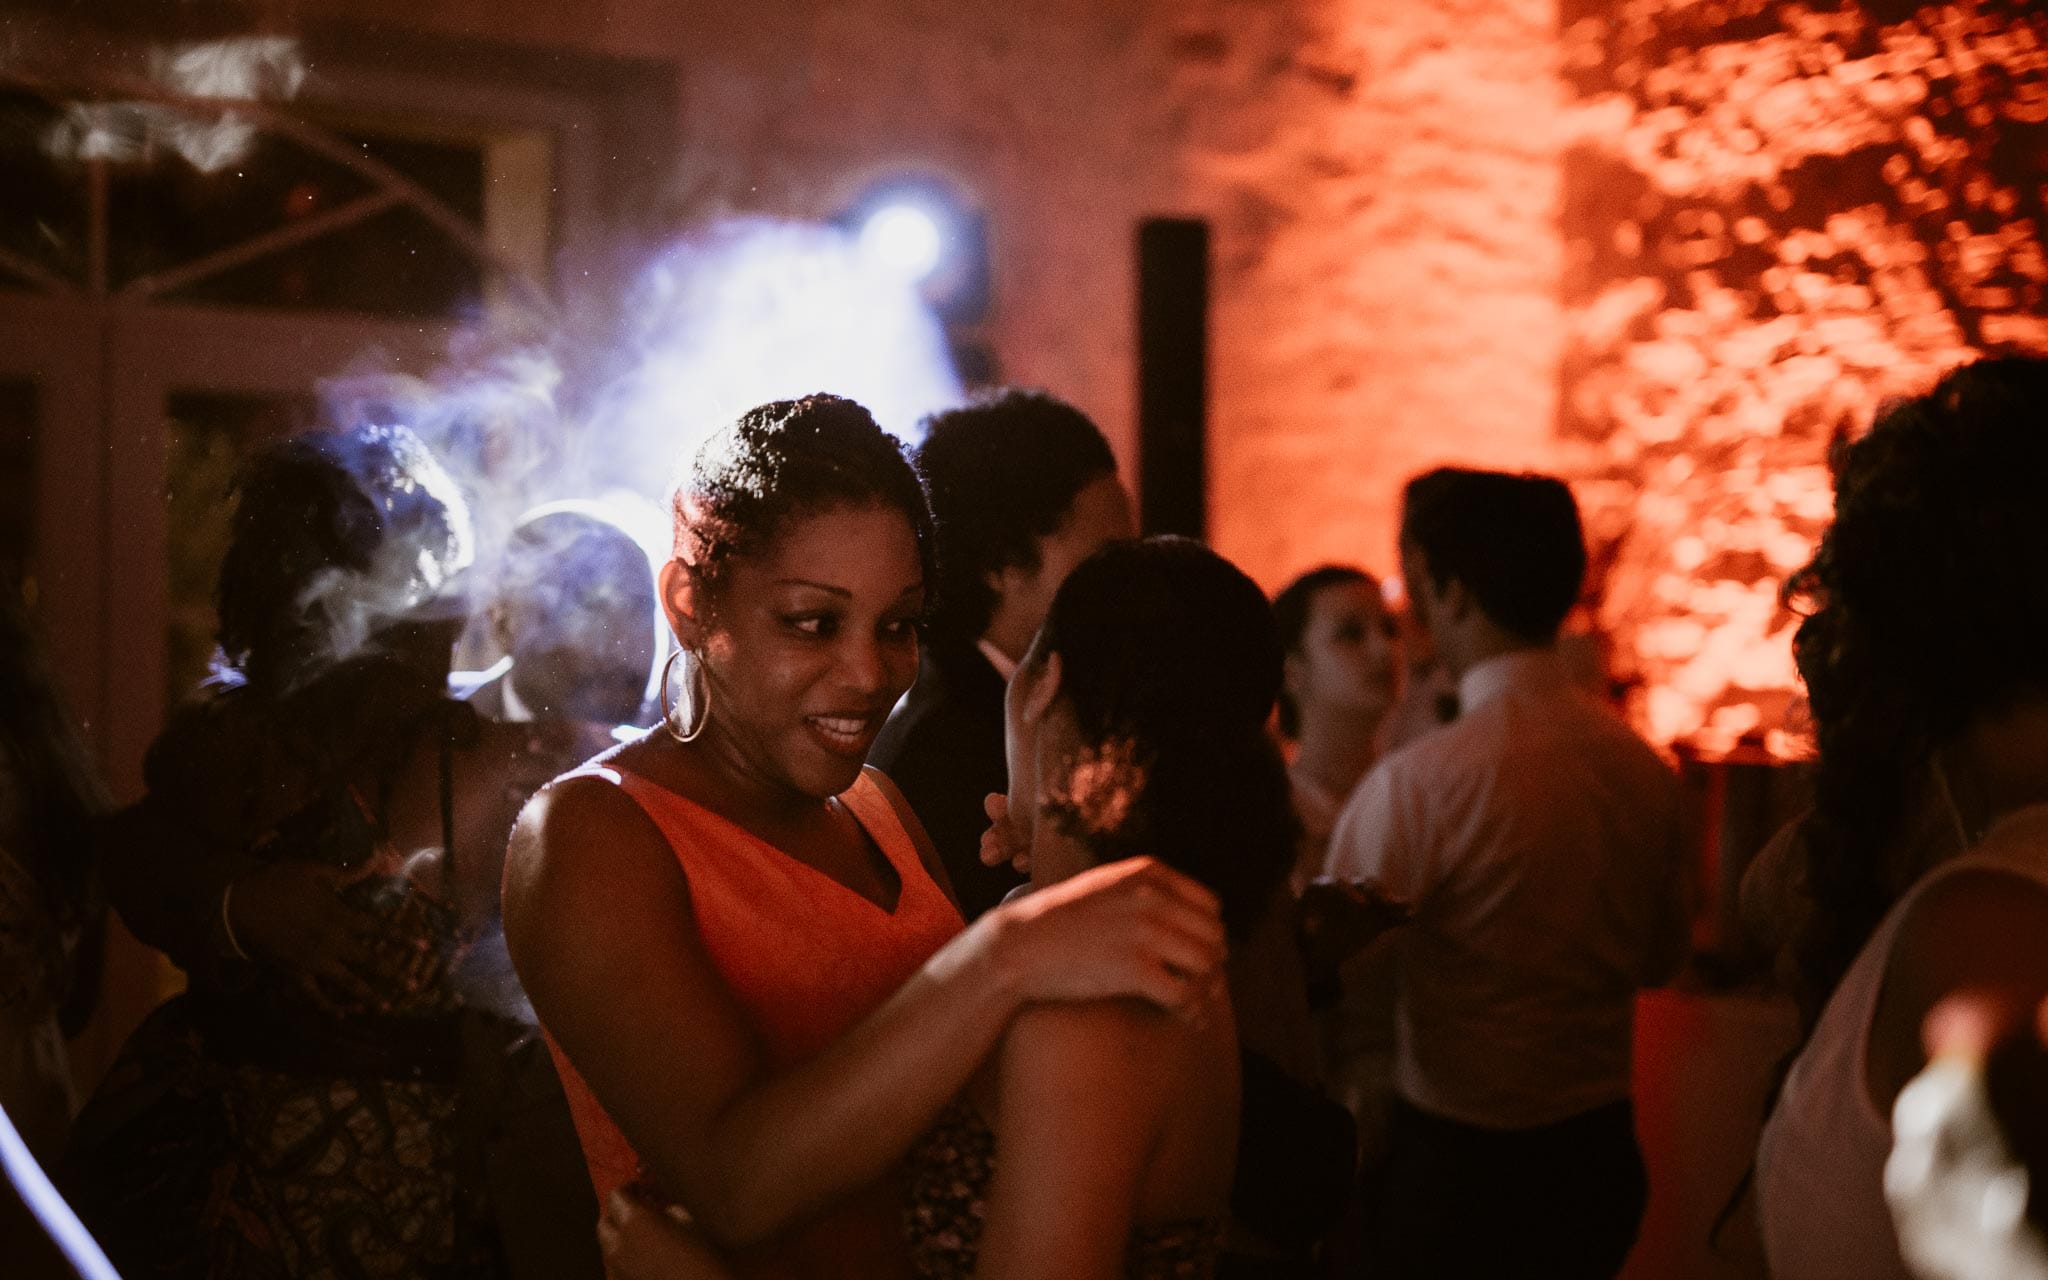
column 1564, row 1200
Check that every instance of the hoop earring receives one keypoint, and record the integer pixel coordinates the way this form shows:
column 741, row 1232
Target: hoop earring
column 700, row 698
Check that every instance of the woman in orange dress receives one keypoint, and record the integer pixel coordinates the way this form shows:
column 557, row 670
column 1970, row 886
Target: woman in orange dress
column 737, row 938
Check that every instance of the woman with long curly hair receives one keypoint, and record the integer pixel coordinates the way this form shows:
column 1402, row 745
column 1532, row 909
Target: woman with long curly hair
column 1922, row 870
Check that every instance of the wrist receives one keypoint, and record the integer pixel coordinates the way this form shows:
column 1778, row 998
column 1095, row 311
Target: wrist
column 998, row 956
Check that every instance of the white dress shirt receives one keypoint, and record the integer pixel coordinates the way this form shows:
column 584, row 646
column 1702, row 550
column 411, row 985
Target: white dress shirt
column 1540, row 844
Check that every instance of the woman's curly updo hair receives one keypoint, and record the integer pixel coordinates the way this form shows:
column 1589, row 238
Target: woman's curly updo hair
column 334, row 532
column 1927, row 607
column 779, row 463
column 1170, row 663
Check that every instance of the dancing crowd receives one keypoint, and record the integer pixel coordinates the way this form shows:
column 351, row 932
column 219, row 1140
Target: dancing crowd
column 977, row 889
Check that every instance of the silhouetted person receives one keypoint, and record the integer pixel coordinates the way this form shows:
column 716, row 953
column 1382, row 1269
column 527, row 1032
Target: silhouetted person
column 1921, row 874
column 1023, row 488
column 320, row 851
column 573, row 609
column 1539, row 845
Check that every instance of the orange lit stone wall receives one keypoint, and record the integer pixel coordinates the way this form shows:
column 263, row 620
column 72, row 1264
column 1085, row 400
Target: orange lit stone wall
column 1382, row 181
column 1671, row 247
column 1779, row 214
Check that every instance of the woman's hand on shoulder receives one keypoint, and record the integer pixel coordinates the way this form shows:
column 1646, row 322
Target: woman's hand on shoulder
column 1130, row 928
column 291, row 914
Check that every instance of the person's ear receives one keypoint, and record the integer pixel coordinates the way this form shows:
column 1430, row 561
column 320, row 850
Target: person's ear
column 681, row 601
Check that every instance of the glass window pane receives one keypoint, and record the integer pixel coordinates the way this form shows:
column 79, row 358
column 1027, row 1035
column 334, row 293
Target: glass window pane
column 42, row 219
column 168, row 215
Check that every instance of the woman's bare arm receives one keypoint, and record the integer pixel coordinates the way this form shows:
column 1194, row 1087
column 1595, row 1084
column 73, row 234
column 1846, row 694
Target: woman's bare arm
column 1082, row 1110
column 598, row 916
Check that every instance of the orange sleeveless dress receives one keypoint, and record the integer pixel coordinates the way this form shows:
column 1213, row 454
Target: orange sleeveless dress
column 806, row 958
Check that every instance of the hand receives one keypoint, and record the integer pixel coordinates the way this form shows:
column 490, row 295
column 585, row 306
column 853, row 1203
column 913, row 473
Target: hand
column 1032, row 691
column 1967, row 1131
column 643, row 1242
column 1339, row 919
column 1003, row 841
column 291, row 914
column 1130, row 928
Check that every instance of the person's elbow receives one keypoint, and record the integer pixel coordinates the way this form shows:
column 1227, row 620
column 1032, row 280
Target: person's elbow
column 739, row 1211
column 739, row 1201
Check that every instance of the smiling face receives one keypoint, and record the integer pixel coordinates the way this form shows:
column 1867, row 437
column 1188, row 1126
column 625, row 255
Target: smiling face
column 807, row 646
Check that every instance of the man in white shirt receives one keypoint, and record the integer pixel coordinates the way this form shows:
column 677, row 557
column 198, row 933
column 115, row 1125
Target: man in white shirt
column 1539, row 844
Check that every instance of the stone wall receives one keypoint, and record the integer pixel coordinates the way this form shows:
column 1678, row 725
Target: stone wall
column 1382, row 181
column 1785, row 214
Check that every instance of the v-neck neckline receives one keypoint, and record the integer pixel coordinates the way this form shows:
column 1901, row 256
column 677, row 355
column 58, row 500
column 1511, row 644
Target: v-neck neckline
column 873, row 840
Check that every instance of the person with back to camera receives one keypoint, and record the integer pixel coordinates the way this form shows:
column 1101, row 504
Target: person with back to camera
column 1100, row 1140
column 737, row 937
column 1540, row 846
column 319, row 851
column 1023, row 487
column 574, row 612
column 1921, row 873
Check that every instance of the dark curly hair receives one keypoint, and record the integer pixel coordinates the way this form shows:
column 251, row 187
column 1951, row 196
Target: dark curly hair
column 1002, row 471
column 322, row 510
column 783, row 461
column 1170, row 662
column 1514, row 541
column 1290, row 619
column 1927, row 605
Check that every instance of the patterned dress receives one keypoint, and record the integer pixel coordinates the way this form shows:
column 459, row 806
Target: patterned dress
column 247, row 1132
column 263, row 1125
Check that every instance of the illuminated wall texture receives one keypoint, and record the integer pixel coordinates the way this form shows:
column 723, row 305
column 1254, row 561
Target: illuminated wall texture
column 1673, row 247
column 1382, row 180
column 1778, row 215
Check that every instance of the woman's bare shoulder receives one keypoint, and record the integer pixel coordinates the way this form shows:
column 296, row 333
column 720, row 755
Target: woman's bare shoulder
column 583, row 829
